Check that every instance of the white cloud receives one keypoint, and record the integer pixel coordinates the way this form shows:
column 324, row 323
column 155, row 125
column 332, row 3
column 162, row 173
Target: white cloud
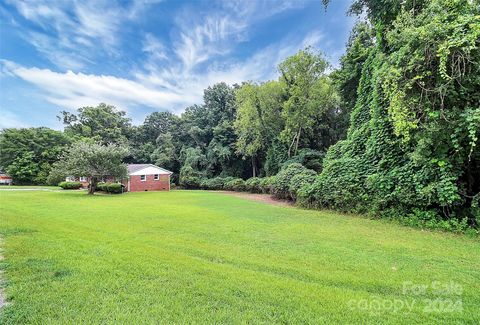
column 72, row 33
column 72, row 90
column 171, row 88
column 154, row 47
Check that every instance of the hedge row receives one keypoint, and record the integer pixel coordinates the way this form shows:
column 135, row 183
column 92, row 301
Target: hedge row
column 70, row 185
column 113, row 188
column 284, row 185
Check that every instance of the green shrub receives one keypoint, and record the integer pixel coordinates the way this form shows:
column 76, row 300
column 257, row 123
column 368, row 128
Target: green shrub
column 253, row 185
column 70, row 185
column 190, row 182
column 190, row 178
column 265, row 184
column 429, row 219
column 237, row 184
column 216, row 183
column 114, row 188
column 300, row 180
column 281, row 183
column 101, row 186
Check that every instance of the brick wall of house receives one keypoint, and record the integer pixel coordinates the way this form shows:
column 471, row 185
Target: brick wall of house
column 137, row 185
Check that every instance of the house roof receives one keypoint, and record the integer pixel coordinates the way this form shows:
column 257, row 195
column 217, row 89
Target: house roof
column 132, row 168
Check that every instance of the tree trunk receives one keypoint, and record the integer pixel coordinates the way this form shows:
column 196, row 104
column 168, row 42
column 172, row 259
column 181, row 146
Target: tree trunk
column 290, row 147
column 253, row 167
column 93, row 186
column 298, row 139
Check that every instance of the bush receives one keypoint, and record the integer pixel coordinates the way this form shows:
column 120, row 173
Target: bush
column 70, row 185
column 226, row 180
column 281, row 183
column 190, row 178
column 216, row 183
column 265, row 184
column 298, row 181
column 237, row 184
column 190, row 182
column 253, row 185
column 101, row 186
column 114, row 188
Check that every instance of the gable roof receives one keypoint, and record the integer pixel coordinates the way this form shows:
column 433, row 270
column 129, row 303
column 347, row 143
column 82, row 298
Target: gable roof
column 133, row 168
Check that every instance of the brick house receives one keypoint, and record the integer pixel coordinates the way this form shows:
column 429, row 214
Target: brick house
column 147, row 177
column 141, row 177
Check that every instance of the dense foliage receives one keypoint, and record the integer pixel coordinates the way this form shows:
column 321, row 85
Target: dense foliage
column 412, row 147
column 28, row 154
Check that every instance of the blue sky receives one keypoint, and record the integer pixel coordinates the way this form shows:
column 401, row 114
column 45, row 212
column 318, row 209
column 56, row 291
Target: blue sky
column 147, row 55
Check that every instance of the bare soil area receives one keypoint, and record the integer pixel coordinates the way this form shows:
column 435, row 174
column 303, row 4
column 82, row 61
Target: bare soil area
column 264, row 198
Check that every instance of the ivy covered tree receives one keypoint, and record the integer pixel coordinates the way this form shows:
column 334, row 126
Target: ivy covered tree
column 412, row 146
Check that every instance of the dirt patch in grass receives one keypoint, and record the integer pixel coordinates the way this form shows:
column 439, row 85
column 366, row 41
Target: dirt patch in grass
column 264, row 198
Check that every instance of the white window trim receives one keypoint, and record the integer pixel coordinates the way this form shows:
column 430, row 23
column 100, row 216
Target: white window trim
column 156, row 177
column 143, row 180
column 82, row 179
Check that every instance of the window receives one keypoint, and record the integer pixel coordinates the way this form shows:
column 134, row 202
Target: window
column 156, row 177
column 83, row 179
column 143, row 178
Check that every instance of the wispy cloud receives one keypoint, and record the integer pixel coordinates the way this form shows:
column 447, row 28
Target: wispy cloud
column 170, row 88
column 72, row 90
column 70, row 34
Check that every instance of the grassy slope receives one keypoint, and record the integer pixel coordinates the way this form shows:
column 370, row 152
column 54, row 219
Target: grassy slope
column 205, row 257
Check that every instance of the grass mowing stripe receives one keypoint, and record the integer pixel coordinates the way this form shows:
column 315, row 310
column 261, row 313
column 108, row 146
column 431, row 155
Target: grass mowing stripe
column 202, row 257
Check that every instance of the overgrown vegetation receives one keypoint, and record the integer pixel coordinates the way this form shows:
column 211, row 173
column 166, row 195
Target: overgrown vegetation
column 412, row 146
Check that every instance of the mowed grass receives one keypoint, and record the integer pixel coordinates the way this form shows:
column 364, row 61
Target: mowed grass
column 28, row 187
column 201, row 257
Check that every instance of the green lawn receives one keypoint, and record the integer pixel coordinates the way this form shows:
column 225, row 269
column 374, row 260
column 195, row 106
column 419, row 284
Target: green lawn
column 200, row 257
column 28, row 187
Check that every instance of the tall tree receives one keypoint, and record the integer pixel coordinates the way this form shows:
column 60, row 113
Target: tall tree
column 259, row 119
column 103, row 123
column 310, row 95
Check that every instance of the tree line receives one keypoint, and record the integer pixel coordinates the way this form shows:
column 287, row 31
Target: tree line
column 393, row 131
